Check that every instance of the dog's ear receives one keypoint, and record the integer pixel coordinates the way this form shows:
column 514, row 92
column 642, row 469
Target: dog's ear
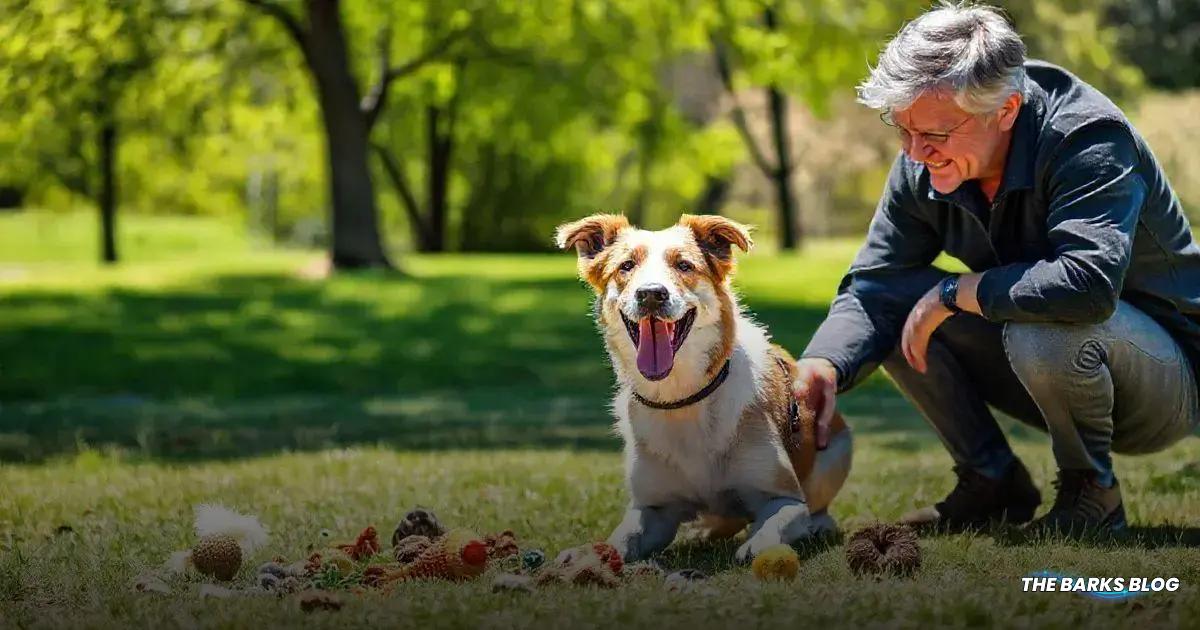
column 590, row 235
column 717, row 235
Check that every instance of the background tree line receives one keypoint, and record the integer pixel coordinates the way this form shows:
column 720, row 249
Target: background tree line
column 376, row 127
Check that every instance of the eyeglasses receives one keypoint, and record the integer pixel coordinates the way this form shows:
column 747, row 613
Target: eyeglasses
column 935, row 138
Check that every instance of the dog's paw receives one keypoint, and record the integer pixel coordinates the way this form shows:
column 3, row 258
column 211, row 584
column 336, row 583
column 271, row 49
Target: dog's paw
column 755, row 545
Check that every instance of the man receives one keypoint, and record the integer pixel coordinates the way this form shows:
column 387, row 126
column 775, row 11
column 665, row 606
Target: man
column 1081, row 315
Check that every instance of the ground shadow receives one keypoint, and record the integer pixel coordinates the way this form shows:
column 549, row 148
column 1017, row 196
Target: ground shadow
column 239, row 365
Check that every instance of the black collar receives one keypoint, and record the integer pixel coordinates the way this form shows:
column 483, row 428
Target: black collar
column 690, row 400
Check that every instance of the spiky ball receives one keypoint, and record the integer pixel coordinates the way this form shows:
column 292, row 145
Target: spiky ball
column 418, row 522
column 779, row 562
column 884, row 548
column 217, row 555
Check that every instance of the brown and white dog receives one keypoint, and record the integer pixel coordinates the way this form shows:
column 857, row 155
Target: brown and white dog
column 704, row 401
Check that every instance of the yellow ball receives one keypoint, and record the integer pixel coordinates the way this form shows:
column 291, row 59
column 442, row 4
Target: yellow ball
column 776, row 563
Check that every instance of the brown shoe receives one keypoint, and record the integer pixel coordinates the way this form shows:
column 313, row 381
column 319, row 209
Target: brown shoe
column 1082, row 505
column 978, row 501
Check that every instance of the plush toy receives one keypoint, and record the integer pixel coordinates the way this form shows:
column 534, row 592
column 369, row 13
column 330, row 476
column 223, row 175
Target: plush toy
column 418, row 522
column 459, row 555
column 884, row 548
column 596, row 564
column 779, row 562
column 225, row 537
column 644, row 569
column 365, row 546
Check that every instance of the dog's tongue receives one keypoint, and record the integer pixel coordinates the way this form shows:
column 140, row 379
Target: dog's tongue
column 654, row 354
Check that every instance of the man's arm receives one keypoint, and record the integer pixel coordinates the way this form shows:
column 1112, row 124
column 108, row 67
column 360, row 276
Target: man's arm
column 1095, row 197
column 887, row 277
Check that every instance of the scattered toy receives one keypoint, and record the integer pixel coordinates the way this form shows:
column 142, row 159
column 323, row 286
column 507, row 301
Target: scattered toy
column 596, row 564
column 779, row 562
column 884, row 548
column 365, row 546
column 410, row 548
column 225, row 537
column 459, row 555
column 684, row 581
column 533, row 559
column 501, row 545
column 420, row 522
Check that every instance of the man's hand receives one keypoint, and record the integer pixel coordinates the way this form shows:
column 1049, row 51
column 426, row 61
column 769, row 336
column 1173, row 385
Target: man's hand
column 816, row 387
column 925, row 317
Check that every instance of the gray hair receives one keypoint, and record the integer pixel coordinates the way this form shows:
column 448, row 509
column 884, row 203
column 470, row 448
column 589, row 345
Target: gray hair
column 968, row 49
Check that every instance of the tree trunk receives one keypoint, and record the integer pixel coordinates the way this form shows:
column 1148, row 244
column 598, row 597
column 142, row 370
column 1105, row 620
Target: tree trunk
column 789, row 231
column 441, row 145
column 355, row 220
column 107, row 197
column 716, row 189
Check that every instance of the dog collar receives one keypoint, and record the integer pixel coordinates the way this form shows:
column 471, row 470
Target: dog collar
column 690, row 400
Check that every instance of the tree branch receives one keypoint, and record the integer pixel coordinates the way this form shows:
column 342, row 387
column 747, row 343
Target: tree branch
column 721, row 56
column 285, row 19
column 376, row 99
column 396, row 174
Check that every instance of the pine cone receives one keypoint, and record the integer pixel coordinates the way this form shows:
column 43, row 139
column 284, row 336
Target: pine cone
column 219, row 556
column 884, row 548
column 418, row 522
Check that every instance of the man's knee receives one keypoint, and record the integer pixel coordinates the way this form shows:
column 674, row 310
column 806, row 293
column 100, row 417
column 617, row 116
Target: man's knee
column 1051, row 352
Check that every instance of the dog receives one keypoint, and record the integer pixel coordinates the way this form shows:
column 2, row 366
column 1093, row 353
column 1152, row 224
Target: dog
column 704, row 400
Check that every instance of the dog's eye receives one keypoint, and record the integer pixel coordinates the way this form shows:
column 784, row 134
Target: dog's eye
column 628, row 265
column 684, row 266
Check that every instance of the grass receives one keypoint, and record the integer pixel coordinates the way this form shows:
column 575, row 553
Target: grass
column 476, row 386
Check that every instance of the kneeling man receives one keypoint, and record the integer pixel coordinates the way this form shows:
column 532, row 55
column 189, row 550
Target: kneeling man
column 1082, row 312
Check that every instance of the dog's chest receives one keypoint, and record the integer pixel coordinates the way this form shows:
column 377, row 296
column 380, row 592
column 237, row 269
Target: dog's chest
column 693, row 453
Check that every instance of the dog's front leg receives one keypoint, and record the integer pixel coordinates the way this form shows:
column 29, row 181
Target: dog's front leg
column 646, row 531
column 782, row 520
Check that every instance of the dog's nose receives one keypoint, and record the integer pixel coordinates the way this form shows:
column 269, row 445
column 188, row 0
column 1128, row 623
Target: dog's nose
column 652, row 296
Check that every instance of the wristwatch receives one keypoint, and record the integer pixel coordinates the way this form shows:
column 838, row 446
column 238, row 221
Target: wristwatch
column 949, row 294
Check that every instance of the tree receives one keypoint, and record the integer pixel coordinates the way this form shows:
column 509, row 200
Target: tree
column 791, row 48
column 67, row 68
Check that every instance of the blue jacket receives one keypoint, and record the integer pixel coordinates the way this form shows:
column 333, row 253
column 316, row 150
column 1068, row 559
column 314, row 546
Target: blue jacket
column 1084, row 216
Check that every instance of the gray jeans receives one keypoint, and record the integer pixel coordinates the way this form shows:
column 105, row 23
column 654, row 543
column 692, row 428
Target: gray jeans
column 1123, row 386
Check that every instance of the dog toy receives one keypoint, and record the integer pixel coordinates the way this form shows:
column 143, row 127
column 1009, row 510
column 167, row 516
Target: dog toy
column 684, row 581
column 509, row 582
column 410, row 548
column 501, row 545
column 596, row 564
column 884, row 548
column 779, row 562
column 459, row 555
column 225, row 537
column 365, row 546
column 418, row 522
column 644, row 569
column 533, row 559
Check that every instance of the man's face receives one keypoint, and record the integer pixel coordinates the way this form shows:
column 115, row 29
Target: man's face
column 954, row 144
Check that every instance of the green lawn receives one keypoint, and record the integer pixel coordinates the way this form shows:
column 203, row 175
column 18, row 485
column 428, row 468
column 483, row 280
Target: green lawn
column 473, row 385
